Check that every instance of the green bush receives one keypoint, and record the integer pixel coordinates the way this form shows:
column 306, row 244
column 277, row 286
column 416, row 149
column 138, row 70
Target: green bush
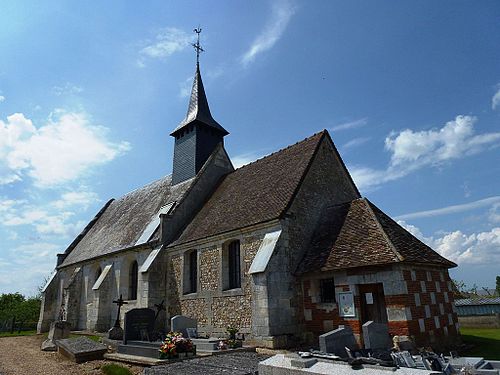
column 15, row 305
column 112, row 369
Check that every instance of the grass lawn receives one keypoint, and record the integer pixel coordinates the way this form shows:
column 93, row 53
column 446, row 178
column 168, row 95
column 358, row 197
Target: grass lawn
column 486, row 342
column 22, row 333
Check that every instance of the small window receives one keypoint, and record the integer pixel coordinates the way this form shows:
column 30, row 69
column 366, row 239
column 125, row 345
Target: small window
column 190, row 272
column 134, row 270
column 234, row 271
column 327, row 290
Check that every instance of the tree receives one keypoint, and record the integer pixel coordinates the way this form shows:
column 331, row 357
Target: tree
column 458, row 289
column 498, row 286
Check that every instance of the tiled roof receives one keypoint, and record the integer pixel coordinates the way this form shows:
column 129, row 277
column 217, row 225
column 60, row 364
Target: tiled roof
column 357, row 234
column 255, row 193
column 122, row 221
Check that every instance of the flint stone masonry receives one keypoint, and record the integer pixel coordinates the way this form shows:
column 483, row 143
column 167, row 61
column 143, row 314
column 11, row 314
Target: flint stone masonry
column 81, row 349
column 180, row 324
column 337, row 340
column 376, row 335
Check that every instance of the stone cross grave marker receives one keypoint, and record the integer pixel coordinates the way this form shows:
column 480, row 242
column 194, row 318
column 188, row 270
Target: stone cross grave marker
column 116, row 332
column 180, row 323
column 81, row 349
column 337, row 340
column 139, row 324
column 58, row 330
column 376, row 335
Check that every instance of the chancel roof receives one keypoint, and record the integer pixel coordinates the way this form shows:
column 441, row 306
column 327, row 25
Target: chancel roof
column 255, row 193
column 121, row 222
column 357, row 234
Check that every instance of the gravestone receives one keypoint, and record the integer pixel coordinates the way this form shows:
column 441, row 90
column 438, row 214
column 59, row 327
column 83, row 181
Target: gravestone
column 58, row 330
column 180, row 323
column 81, row 349
column 139, row 324
column 337, row 340
column 376, row 335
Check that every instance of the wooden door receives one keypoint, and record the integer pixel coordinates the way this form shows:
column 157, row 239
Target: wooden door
column 372, row 303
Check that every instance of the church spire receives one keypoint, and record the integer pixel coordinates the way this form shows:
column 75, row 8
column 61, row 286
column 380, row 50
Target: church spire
column 198, row 109
column 197, row 136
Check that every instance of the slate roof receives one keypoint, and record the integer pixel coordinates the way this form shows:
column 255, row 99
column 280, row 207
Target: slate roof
column 121, row 222
column 255, row 193
column 357, row 234
column 198, row 109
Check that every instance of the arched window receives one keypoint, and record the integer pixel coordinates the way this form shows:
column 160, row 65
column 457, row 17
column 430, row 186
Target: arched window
column 132, row 281
column 190, row 272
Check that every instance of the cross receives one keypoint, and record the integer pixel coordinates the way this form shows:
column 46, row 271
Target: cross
column 160, row 307
column 197, row 46
column 120, row 302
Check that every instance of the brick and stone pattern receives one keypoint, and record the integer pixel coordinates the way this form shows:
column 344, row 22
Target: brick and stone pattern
column 419, row 303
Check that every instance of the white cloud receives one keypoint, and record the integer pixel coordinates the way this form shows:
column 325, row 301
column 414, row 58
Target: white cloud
column 355, row 142
column 350, row 124
column 168, row 41
column 62, row 150
column 452, row 209
column 477, row 248
column 185, row 87
column 25, row 267
column 281, row 13
column 495, row 101
column 246, row 158
column 411, row 150
column 76, row 198
column 67, row 89
column 2, row 98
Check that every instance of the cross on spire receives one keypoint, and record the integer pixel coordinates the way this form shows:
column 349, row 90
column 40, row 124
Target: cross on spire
column 197, row 45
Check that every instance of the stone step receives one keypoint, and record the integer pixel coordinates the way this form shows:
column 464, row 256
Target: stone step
column 139, row 350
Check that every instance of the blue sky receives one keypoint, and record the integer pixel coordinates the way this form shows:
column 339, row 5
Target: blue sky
column 410, row 92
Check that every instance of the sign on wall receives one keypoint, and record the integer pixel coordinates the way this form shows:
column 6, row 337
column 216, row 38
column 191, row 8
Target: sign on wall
column 346, row 304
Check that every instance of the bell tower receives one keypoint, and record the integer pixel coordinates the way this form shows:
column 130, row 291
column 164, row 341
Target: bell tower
column 198, row 134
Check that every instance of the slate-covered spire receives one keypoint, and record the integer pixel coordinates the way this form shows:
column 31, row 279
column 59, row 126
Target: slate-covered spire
column 197, row 136
column 198, row 109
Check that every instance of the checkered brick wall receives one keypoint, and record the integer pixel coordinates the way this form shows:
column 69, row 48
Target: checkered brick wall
column 420, row 306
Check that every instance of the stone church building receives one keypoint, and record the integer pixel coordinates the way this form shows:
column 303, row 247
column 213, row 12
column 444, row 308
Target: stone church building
column 284, row 248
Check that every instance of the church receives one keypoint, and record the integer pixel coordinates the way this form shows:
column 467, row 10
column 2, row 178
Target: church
column 284, row 249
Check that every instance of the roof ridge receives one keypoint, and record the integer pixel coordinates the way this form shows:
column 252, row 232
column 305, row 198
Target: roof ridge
column 281, row 150
column 379, row 225
column 143, row 186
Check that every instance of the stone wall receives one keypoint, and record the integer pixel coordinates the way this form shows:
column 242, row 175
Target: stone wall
column 213, row 307
column 325, row 183
column 93, row 309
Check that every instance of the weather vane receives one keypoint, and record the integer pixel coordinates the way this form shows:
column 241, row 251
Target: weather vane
column 197, row 46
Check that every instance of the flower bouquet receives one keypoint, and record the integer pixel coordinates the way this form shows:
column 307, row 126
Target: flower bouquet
column 175, row 346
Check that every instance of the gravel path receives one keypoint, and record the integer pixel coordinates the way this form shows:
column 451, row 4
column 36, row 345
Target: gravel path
column 22, row 355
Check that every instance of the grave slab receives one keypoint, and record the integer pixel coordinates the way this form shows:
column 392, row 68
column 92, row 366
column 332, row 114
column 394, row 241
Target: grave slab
column 139, row 324
column 376, row 335
column 337, row 340
column 181, row 323
column 58, row 330
column 81, row 349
